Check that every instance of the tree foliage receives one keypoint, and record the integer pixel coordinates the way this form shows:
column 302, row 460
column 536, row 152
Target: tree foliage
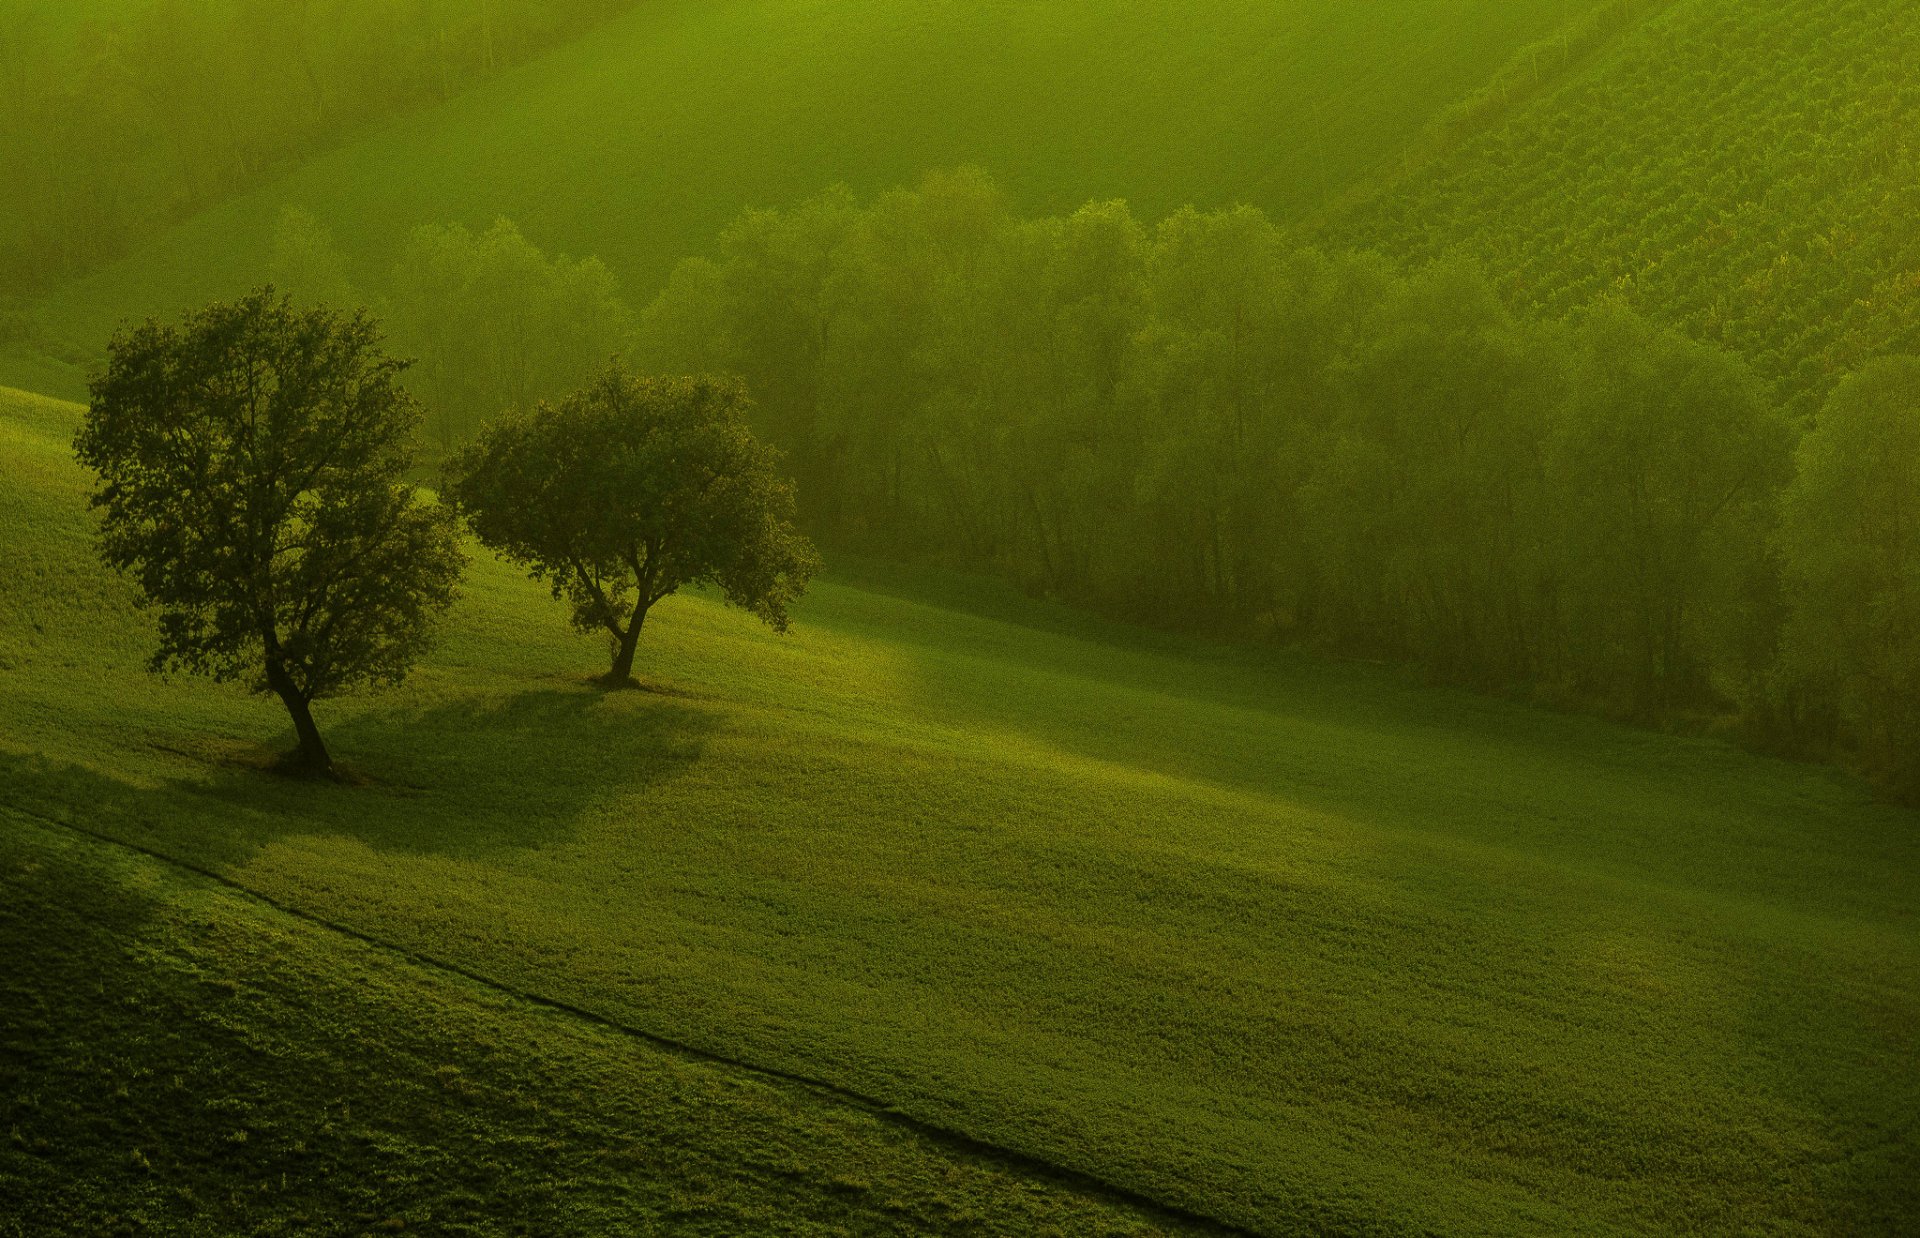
column 1205, row 426
column 252, row 466
column 631, row 489
column 1850, row 543
column 493, row 321
column 1668, row 461
column 499, row 324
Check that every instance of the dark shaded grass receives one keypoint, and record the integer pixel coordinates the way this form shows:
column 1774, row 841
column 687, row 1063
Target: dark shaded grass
column 179, row 1059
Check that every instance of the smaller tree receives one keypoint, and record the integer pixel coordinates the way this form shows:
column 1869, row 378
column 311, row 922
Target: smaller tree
column 252, row 468
column 628, row 490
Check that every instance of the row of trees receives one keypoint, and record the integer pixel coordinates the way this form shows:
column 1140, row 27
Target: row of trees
column 254, row 471
column 493, row 322
column 1202, row 426
column 1206, row 427
column 177, row 104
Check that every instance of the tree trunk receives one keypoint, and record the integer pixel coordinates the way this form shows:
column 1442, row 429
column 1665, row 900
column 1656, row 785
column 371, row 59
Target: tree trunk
column 311, row 756
column 622, row 673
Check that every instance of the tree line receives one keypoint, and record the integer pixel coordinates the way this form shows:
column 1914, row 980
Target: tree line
column 120, row 120
column 1204, row 426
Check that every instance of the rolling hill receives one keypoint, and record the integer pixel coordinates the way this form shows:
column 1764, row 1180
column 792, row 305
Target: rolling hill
column 640, row 141
column 238, row 1069
column 1301, row 946
column 1667, row 163
column 1746, row 172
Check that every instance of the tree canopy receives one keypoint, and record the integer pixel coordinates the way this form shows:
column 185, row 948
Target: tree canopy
column 1850, row 545
column 1203, row 426
column 498, row 324
column 252, row 466
column 631, row 489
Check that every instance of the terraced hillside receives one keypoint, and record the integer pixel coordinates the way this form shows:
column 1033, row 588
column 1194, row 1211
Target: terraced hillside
column 1748, row 172
column 639, row 142
column 1296, row 945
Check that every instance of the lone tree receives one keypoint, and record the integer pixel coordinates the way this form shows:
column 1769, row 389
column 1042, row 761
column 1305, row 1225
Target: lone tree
column 252, row 465
column 629, row 489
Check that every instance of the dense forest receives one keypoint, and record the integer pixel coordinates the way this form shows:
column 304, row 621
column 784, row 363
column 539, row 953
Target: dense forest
column 177, row 105
column 640, row 139
column 1203, row 426
column 492, row 321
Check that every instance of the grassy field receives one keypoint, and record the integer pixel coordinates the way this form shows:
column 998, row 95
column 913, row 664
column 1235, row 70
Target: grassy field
column 1301, row 946
column 639, row 142
column 61, row 16
column 182, row 1059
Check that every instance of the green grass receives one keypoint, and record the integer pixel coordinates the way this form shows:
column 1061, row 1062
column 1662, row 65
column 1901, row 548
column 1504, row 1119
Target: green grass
column 1300, row 945
column 62, row 17
column 181, row 1059
column 640, row 141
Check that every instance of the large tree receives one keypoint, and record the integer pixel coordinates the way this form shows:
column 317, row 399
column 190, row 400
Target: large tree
column 252, row 466
column 497, row 324
column 630, row 489
column 1662, row 471
column 1850, row 546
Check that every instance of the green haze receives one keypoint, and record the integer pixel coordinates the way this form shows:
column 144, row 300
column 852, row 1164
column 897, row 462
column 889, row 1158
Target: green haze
column 639, row 142
column 1361, row 674
column 1293, row 943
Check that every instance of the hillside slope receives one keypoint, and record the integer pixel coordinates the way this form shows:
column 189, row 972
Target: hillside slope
column 1296, row 945
column 639, row 142
column 179, row 1058
column 1747, row 172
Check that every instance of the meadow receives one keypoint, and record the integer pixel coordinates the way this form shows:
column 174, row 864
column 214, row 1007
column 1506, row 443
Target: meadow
column 183, row 1058
column 640, row 141
column 1301, row 945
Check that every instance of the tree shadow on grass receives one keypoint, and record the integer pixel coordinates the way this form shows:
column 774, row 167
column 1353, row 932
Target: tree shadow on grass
column 464, row 779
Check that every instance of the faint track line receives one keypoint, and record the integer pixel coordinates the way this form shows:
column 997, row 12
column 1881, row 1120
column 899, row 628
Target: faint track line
column 946, row 1136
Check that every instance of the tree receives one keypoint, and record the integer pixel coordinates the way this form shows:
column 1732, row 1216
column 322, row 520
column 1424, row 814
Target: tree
column 1663, row 468
column 630, row 489
column 307, row 264
column 499, row 324
column 1425, row 509
column 251, row 466
column 1850, row 549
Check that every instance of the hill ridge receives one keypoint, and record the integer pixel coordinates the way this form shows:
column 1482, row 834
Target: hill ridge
column 672, row 119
